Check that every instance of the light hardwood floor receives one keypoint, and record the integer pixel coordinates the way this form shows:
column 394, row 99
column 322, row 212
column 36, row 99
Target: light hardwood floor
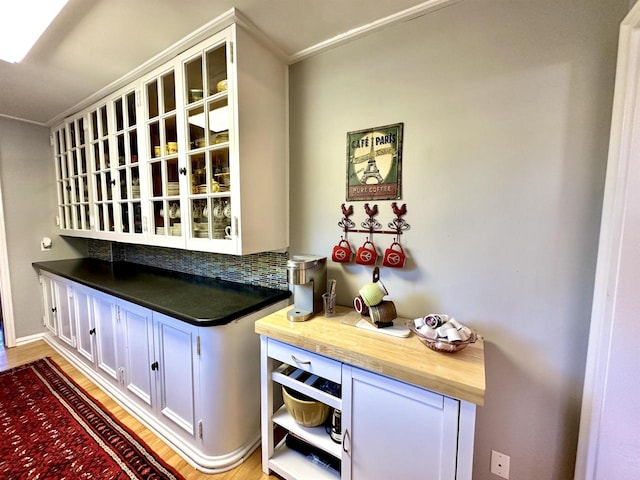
column 13, row 357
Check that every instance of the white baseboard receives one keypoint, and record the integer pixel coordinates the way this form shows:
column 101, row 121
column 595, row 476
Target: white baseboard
column 30, row 339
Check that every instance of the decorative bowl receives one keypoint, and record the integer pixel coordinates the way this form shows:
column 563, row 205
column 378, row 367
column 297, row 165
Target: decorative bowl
column 441, row 344
column 304, row 410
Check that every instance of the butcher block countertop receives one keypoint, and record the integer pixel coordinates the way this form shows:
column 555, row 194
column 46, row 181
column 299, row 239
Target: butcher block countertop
column 459, row 375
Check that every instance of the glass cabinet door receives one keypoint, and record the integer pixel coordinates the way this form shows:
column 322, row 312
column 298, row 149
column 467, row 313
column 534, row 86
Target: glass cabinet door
column 207, row 137
column 72, row 174
column 163, row 173
column 103, row 181
column 63, row 186
column 127, row 170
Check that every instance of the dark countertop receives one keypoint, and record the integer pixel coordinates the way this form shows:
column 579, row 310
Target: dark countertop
column 194, row 299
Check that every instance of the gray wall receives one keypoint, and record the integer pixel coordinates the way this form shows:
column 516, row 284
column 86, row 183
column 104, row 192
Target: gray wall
column 29, row 200
column 506, row 106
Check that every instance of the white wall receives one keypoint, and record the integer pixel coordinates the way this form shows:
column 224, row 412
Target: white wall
column 29, row 200
column 506, row 106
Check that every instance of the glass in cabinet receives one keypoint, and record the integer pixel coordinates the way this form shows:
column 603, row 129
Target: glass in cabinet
column 199, row 164
column 103, row 181
column 127, row 169
column 72, row 174
column 208, row 119
column 163, row 163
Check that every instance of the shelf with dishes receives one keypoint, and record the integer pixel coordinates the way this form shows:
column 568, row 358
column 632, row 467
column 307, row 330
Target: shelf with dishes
column 211, row 215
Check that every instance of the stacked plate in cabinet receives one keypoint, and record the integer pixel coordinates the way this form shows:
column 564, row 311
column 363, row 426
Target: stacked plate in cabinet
column 173, row 188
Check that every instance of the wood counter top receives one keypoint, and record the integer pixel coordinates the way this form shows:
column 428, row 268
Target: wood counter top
column 459, row 375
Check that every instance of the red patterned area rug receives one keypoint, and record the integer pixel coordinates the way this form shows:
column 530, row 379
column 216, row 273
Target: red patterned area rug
column 50, row 428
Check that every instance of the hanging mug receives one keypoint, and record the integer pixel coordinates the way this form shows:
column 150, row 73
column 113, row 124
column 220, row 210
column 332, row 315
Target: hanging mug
column 394, row 256
column 367, row 254
column 342, row 252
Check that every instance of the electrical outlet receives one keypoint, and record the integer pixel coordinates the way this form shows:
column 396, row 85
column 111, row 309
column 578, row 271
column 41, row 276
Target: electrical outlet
column 500, row 464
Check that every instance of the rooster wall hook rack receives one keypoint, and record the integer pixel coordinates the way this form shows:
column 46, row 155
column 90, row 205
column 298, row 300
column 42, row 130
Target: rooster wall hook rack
column 371, row 225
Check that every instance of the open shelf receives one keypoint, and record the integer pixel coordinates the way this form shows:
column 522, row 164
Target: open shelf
column 305, row 383
column 292, row 465
column 317, row 436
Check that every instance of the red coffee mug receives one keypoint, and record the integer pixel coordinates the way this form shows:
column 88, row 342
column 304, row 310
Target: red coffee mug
column 342, row 252
column 394, row 258
column 367, row 254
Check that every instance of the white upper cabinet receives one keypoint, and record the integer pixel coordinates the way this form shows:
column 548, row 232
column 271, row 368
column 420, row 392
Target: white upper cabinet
column 191, row 155
column 72, row 174
column 163, row 165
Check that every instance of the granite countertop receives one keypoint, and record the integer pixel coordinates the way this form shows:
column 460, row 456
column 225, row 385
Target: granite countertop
column 194, row 299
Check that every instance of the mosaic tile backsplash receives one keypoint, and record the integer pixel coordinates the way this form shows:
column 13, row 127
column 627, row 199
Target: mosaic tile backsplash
column 268, row 269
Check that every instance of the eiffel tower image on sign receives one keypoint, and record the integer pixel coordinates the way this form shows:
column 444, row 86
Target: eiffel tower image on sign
column 371, row 171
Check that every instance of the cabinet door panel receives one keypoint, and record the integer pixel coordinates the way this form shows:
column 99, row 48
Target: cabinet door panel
column 176, row 345
column 396, row 430
column 107, row 342
column 64, row 313
column 137, row 330
column 48, row 305
column 84, row 324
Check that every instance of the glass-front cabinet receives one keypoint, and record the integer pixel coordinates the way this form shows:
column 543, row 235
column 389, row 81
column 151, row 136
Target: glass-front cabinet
column 127, row 168
column 114, row 153
column 163, row 164
column 208, row 119
column 103, row 181
column 72, row 175
column 190, row 155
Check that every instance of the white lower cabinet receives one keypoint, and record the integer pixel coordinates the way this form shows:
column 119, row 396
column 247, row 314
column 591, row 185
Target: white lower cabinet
column 64, row 312
column 48, row 304
column 84, row 326
column 108, row 358
column 178, row 369
column 61, row 308
column 196, row 387
column 396, row 430
column 139, row 362
column 390, row 429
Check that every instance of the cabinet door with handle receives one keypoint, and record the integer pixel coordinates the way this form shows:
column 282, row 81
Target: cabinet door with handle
column 392, row 429
column 140, row 366
column 85, row 329
column 108, row 356
column 63, row 295
column 48, row 305
column 178, row 372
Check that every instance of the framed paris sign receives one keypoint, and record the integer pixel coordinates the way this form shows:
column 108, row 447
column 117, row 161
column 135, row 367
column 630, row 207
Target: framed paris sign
column 374, row 163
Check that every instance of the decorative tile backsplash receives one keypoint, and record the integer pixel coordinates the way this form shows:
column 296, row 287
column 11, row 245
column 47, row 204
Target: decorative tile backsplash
column 266, row 269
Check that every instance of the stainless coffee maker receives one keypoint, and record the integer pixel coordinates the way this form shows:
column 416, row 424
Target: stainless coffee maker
column 307, row 275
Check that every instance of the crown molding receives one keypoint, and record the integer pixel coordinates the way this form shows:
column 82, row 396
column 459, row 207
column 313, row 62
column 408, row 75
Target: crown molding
column 350, row 35
column 234, row 16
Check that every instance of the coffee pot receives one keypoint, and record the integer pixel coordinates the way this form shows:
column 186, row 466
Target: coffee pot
column 307, row 276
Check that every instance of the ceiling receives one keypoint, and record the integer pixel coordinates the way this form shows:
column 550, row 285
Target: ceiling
column 93, row 43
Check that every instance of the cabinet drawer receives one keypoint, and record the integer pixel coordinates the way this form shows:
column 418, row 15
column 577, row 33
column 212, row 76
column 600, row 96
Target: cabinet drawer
column 305, row 360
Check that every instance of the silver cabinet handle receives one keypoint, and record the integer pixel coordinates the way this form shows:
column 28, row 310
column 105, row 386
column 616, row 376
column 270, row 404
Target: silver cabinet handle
column 301, row 362
column 346, row 439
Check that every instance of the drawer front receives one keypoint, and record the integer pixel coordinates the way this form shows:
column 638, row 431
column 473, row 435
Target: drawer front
column 304, row 360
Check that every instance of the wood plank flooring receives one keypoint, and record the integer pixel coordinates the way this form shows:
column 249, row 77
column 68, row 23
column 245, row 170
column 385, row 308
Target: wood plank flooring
column 13, row 357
